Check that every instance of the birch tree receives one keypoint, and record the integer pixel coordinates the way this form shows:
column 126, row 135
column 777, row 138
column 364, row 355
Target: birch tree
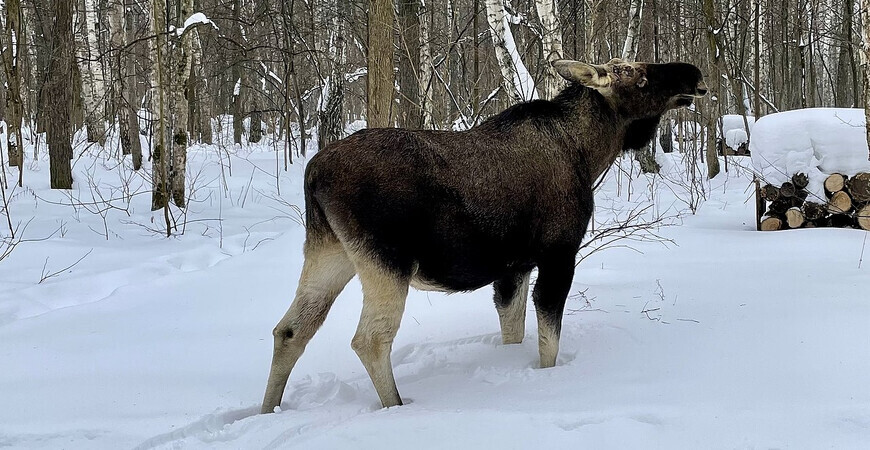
column 93, row 80
column 179, row 108
column 516, row 80
column 629, row 49
column 551, row 41
column 426, row 68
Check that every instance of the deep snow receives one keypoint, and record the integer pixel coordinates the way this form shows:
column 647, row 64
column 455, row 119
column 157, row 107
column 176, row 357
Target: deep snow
column 726, row 338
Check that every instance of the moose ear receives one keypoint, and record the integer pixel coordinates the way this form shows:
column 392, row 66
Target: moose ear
column 595, row 77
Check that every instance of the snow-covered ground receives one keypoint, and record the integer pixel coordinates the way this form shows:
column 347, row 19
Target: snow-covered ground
column 724, row 338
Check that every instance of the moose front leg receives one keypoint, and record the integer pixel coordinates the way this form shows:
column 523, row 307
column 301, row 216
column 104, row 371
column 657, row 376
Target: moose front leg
column 551, row 291
column 510, row 295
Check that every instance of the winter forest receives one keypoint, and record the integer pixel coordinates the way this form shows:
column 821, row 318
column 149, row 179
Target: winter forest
column 153, row 220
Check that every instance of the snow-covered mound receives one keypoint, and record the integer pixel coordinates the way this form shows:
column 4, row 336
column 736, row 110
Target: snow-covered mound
column 734, row 129
column 814, row 141
column 735, row 138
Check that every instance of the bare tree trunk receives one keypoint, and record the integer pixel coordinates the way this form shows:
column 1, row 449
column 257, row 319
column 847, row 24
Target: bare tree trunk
column 57, row 88
column 93, row 81
column 596, row 19
column 380, row 64
column 181, row 60
column 12, row 58
column 426, row 68
column 475, row 90
column 330, row 113
column 410, row 115
column 516, row 80
column 127, row 105
column 197, row 85
column 715, row 55
column 551, row 41
column 239, row 73
column 865, row 60
column 635, row 12
column 160, row 154
column 645, row 50
column 756, row 103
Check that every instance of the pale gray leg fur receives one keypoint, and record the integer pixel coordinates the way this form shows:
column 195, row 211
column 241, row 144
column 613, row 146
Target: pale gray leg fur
column 512, row 317
column 548, row 341
column 325, row 273
column 384, row 297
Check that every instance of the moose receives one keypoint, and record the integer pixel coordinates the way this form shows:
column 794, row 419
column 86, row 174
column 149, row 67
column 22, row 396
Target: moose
column 457, row 211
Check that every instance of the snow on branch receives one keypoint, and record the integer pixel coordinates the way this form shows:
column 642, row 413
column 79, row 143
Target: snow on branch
column 194, row 20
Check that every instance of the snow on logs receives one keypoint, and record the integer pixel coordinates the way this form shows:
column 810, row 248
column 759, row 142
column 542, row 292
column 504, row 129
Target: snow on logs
column 846, row 203
column 814, row 169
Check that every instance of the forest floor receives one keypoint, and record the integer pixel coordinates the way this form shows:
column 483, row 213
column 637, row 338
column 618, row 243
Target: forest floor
column 700, row 334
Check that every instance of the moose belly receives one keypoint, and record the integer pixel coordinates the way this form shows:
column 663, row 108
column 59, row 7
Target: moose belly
column 422, row 284
column 460, row 276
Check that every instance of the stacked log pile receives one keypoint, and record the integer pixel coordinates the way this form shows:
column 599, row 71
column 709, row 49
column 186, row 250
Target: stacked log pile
column 847, row 204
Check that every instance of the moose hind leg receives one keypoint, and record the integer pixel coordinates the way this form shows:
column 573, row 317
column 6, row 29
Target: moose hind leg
column 384, row 295
column 510, row 296
column 325, row 273
column 549, row 296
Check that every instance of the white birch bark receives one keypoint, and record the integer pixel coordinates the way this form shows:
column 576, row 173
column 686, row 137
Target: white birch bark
column 551, row 41
column 516, row 79
column 93, row 80
column 763, row 66
column 426, row 68
column 635, row 11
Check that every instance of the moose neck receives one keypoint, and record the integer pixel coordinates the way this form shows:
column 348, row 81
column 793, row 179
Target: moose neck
column 598, row 131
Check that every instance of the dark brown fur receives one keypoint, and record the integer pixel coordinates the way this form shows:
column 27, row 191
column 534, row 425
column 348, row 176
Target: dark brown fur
column 457, row 211
column 463, row 209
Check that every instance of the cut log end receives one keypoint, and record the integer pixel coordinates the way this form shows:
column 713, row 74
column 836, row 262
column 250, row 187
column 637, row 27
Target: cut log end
column 794, row 217
column 839, row 203
column 859, row 188
column 863, row 217
column 771, row 224
column 835, row 183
